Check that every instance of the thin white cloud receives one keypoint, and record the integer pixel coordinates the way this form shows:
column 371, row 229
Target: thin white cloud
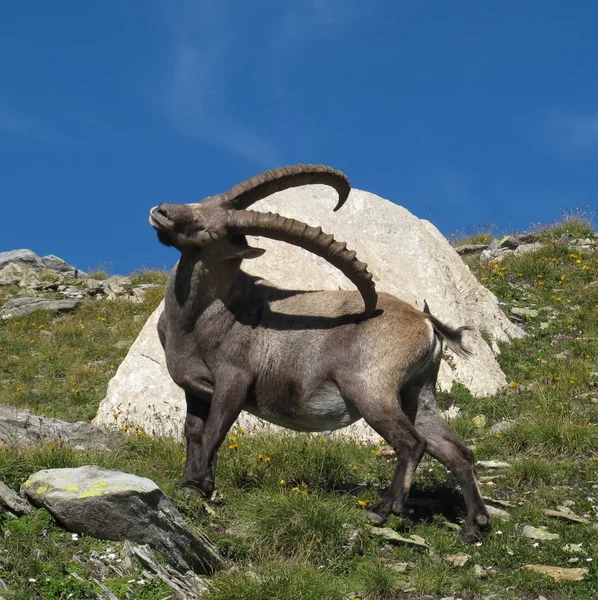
column 576, row 133
column 201, row 88
column 16, row 124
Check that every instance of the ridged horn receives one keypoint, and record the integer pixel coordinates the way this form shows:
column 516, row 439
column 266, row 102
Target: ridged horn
column 251, row 190
column 250, row 222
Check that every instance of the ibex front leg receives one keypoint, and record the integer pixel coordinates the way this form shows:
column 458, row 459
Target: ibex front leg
column 229, row 396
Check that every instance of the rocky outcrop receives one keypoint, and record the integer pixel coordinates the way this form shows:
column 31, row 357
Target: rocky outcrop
column 500, row 248
column 52, row 275
column 17, row 307
column 21, row 428
column 409, row 257
column 118, row 506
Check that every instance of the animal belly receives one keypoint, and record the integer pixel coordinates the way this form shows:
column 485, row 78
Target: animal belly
column 324, row 410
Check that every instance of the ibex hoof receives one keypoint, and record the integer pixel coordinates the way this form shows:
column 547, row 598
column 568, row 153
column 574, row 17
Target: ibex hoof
column 196, row 487
column 472, row 532
column 375, row 518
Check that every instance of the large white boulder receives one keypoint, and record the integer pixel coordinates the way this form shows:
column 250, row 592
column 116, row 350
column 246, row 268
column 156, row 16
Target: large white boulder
column 408, row 257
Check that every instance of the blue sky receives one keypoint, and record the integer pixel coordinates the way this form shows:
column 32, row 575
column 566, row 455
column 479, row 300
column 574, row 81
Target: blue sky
column 463, row 112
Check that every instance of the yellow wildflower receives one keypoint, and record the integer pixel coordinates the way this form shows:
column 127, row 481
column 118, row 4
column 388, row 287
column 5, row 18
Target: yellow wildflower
column 282, row 481
column 233, row 446
column 363, row 502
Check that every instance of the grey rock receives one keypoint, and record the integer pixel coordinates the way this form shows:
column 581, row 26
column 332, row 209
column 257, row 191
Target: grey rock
column 470, row 249
column 22, row 428
column 509, row 242
column 74, row 293
column 408, row 256
column 189, row 585
column 119, row 506
column 115, row 287
column 528, row 238
column 13, row 503
column 17, row 307
column 524, row 312
column 493, row 464
column 11, row 274
column 525, row 248
column 60, row 266
column 24, row 258
column 498, row 513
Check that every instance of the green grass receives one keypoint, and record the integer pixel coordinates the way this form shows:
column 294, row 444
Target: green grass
column 289, row 513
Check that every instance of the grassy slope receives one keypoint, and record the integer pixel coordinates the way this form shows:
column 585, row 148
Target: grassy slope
column 289, row 509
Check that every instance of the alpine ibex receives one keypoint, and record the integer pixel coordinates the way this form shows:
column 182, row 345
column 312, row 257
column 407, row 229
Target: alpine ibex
column 309, row 361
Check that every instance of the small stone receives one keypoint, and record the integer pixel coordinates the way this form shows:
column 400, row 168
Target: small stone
column 392, row 536
column 524, row 312
column 480, row 572
column 539, row 533
column 400, row 567
column 499, row 513
column 501, row 426
column 493, row 464
column 559, row 573
column 458, row 560
column 565, row 513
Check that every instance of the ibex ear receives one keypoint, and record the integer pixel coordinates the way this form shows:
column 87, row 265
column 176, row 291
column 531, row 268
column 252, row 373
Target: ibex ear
column 246, row 252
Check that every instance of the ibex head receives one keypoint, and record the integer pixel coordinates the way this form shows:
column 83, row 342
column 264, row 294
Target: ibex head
column 217, row 226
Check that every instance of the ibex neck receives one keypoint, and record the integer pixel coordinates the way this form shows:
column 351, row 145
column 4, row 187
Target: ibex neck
column 197, row 288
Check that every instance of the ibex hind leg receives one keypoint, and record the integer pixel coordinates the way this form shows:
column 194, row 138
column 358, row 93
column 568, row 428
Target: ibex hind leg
column 381, row 410
column 419, row 402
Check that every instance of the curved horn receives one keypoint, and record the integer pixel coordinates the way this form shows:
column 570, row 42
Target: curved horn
column 249, row 222
column 247, row 192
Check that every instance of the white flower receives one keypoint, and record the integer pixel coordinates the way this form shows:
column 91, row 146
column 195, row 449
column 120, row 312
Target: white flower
column 32, row 580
